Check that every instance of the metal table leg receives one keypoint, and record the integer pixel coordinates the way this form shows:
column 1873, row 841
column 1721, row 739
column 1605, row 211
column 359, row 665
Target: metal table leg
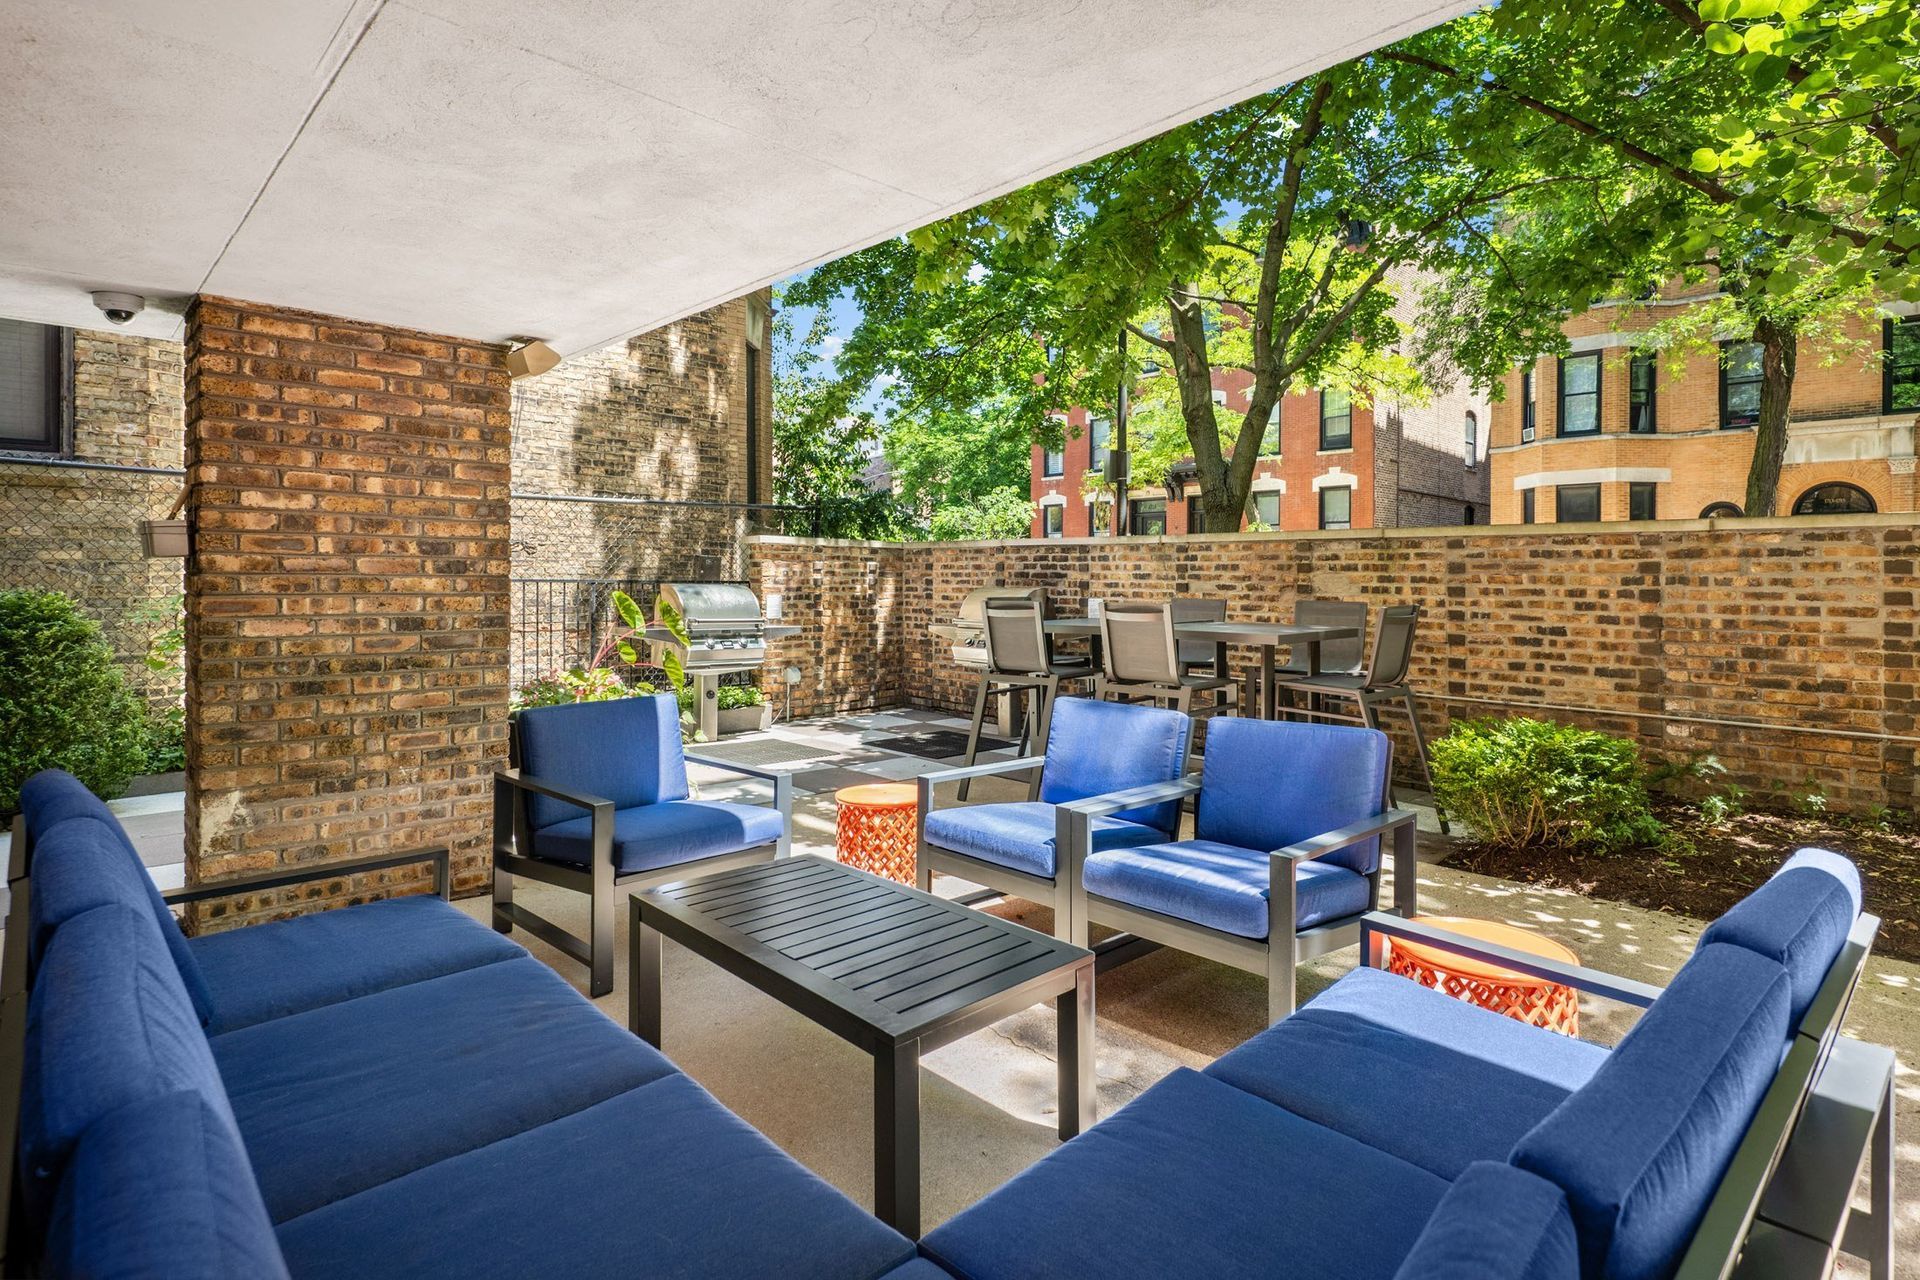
column 896, row 1138
column 1074, row 1011
column 643, row 977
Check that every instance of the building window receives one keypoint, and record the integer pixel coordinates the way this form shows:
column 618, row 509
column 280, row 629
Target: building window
column 1220, row 397
column 1147, row 516
column 1526, row 506
column 1468, row 515
column 1053, row 518
column 1336, row 420
column 1266, row 508
column 1576, row 503
column 1336, row 508
column 1270, row 438
column 1902, row 393
column 1740, row 372
column 1640, row 414
column 1640, row 501
column 36, row 380
column 1472, row 443
column 1526, row 405
column 1715, row 509
column 1053, row 462
column 1194, row 517
column 1099, row 435
column 753, row 422
column 1580, row 394
column 1835, row 499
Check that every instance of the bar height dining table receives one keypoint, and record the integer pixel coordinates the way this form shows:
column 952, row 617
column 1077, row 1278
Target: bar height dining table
column 1265, row 636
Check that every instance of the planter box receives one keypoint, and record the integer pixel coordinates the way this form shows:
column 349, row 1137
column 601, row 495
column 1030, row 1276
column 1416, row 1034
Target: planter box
column 164, row 539
column 746, row 719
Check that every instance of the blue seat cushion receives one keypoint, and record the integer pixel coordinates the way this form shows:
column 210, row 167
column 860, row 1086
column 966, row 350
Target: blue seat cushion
column 347, row 1096
column 271, row 970
column 1020, row 835
column 1195, row 1178
column 1268, row 784
column 661, row 1181
column 1222, row 886
column 665, row 834
column 162, row 1188
column 108, row 1025
column 626, row 750
column 1097, row 748
column 1800, row 919
column 1641, row 1148
column 917, row 1269
column 1496, row 1223
column 83, row 859
column 1415, row 1070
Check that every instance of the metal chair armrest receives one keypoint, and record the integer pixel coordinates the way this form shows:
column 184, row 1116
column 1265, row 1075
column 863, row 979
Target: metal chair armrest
column 939, row 776
column 728, row 766
column 1378, row 926
column 438, row 857
column 552, row 790
column 1352, row 834
column 1135, row 797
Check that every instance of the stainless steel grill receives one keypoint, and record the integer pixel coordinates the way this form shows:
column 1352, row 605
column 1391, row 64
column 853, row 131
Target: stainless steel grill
column 726, row 633
column 967, row 633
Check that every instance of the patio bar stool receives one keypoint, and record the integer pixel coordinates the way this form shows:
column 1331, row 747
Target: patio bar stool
column 1020, row 656
column 1337, row 657
column 1199, row 657
column 1141, row 660
column 1382, row 680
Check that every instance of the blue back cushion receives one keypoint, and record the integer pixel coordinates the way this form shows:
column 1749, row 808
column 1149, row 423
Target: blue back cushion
column 1799, row 919
column 1094, row 748
column 627, row 751
column 1496, row 1223
column 1267, row 784
column 82, row 859
column 1641, row 1148
column 108, row 1025
column 162, row 1188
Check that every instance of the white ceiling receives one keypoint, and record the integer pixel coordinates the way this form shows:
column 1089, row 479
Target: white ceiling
column 574, row 170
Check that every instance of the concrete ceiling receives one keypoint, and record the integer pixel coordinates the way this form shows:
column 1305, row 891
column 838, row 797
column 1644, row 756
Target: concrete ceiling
column 574, row 170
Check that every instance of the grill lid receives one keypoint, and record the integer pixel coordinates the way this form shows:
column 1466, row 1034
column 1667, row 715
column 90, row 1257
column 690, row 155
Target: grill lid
column 730, row 605
column 973, row 609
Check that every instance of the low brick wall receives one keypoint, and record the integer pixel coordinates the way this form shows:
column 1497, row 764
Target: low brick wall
column 1784, row 647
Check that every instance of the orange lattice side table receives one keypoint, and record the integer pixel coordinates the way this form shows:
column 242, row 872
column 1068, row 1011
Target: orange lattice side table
column 876, row 829
column 1518, row 996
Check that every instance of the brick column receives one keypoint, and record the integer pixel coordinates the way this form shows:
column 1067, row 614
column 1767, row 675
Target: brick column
column 346, row 600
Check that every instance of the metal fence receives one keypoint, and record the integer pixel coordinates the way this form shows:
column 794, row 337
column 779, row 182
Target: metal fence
column 559, row 623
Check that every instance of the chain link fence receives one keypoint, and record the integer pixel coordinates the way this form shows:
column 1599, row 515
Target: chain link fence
column 75, row 528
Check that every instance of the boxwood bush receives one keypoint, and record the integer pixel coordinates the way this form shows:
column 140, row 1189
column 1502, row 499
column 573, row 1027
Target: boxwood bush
column 64, row 701
column 1522, row 782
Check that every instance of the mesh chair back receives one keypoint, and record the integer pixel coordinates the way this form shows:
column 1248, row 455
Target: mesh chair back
column 1393, row 646
column 1336, row 656
column 1194, row 653
column 1016, row 637
column 1137, row 644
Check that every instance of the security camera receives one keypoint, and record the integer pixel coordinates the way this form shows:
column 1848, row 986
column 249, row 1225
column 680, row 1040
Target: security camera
column 119, row 307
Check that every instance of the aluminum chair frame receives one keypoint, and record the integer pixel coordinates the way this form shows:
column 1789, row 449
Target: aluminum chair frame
column 1158, row 676
column 1004, row 674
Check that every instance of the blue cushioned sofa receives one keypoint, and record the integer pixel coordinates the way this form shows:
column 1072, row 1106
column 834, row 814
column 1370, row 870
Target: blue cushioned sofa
column 596, row 799
column 389, row 1089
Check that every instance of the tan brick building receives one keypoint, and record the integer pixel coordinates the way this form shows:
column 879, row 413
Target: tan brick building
column 1606, row 433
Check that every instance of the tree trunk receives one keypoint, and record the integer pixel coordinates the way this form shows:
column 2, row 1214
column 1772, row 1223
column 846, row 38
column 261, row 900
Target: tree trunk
column 1779, row 352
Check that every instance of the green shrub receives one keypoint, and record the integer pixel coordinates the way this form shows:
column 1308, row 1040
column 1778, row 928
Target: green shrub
column 597, row 684
column 64, row 702
column 1522, row 782
column 166, row 739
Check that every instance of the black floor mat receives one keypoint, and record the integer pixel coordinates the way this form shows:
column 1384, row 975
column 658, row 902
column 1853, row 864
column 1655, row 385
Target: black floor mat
column 937, row 744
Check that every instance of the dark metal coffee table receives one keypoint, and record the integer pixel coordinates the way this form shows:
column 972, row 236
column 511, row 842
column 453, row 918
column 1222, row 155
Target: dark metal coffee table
column 896, row 971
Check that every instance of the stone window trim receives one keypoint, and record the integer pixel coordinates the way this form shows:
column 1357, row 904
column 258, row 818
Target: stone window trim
column 1593, row 475
column 1334, row 479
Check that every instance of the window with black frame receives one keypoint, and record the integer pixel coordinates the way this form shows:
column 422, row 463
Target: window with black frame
column 1527, row 414
column 36, row 379
column 1336, row 420
column 1053, row 462
column 1641, row 419
column 1526, row 506
column 1472, row 441
column 1641, row 500
column 1099, row 434
column 1194, row 518
column 1740, row 375
column 1270, row 438
column 1835, row 498
column 1901, row 393
column 1147, row 516
column 1580, row 394
column 1054, row 519
column 1266, row 508
column 1576, row 503
column 1336, row 508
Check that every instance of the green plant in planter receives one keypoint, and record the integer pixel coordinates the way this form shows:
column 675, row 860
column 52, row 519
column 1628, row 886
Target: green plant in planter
column 599, row 680
column 1522, row 782
column 64, row 701
column 735, row 696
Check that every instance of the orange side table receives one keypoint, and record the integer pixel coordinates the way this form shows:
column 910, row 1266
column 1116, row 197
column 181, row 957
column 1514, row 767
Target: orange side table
column 1526, row 999
column 876, row 829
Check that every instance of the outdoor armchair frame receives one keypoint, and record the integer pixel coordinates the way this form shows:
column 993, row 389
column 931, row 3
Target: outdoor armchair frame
column 512, row 832
column 1002, row 880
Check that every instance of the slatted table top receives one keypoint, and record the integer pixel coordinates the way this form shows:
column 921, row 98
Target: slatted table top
column 873, row 961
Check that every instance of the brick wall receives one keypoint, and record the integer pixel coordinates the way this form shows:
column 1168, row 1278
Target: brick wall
column 1785, row 647
column 347, row 601
column 127, row 405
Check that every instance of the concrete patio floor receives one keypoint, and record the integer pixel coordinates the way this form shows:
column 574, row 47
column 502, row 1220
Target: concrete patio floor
column 988, row 1100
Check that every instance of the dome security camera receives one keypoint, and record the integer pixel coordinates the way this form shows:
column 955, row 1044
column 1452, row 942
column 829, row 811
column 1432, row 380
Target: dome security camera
column 119, row 307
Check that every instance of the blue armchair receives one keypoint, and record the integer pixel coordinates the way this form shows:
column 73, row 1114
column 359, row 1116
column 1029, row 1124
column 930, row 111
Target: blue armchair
column 1093, row 749
column 622, row 763
column 1284, row 860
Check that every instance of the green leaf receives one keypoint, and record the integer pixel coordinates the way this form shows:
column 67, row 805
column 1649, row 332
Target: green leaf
column 1705, row 160
column 1724, row 39
column 629, row 611
column 627, row 652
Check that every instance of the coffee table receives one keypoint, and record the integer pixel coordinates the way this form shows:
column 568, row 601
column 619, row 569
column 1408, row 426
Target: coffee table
column 895, row 971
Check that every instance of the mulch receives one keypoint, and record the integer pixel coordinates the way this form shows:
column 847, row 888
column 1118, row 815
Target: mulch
column 1710, row 868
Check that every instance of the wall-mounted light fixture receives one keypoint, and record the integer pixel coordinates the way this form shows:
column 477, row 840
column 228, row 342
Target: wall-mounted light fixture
column 531, row 357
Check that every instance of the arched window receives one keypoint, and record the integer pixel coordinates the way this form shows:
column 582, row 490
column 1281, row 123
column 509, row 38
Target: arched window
column 1835, row 498
column 1720, row 509
column 1473, row 437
